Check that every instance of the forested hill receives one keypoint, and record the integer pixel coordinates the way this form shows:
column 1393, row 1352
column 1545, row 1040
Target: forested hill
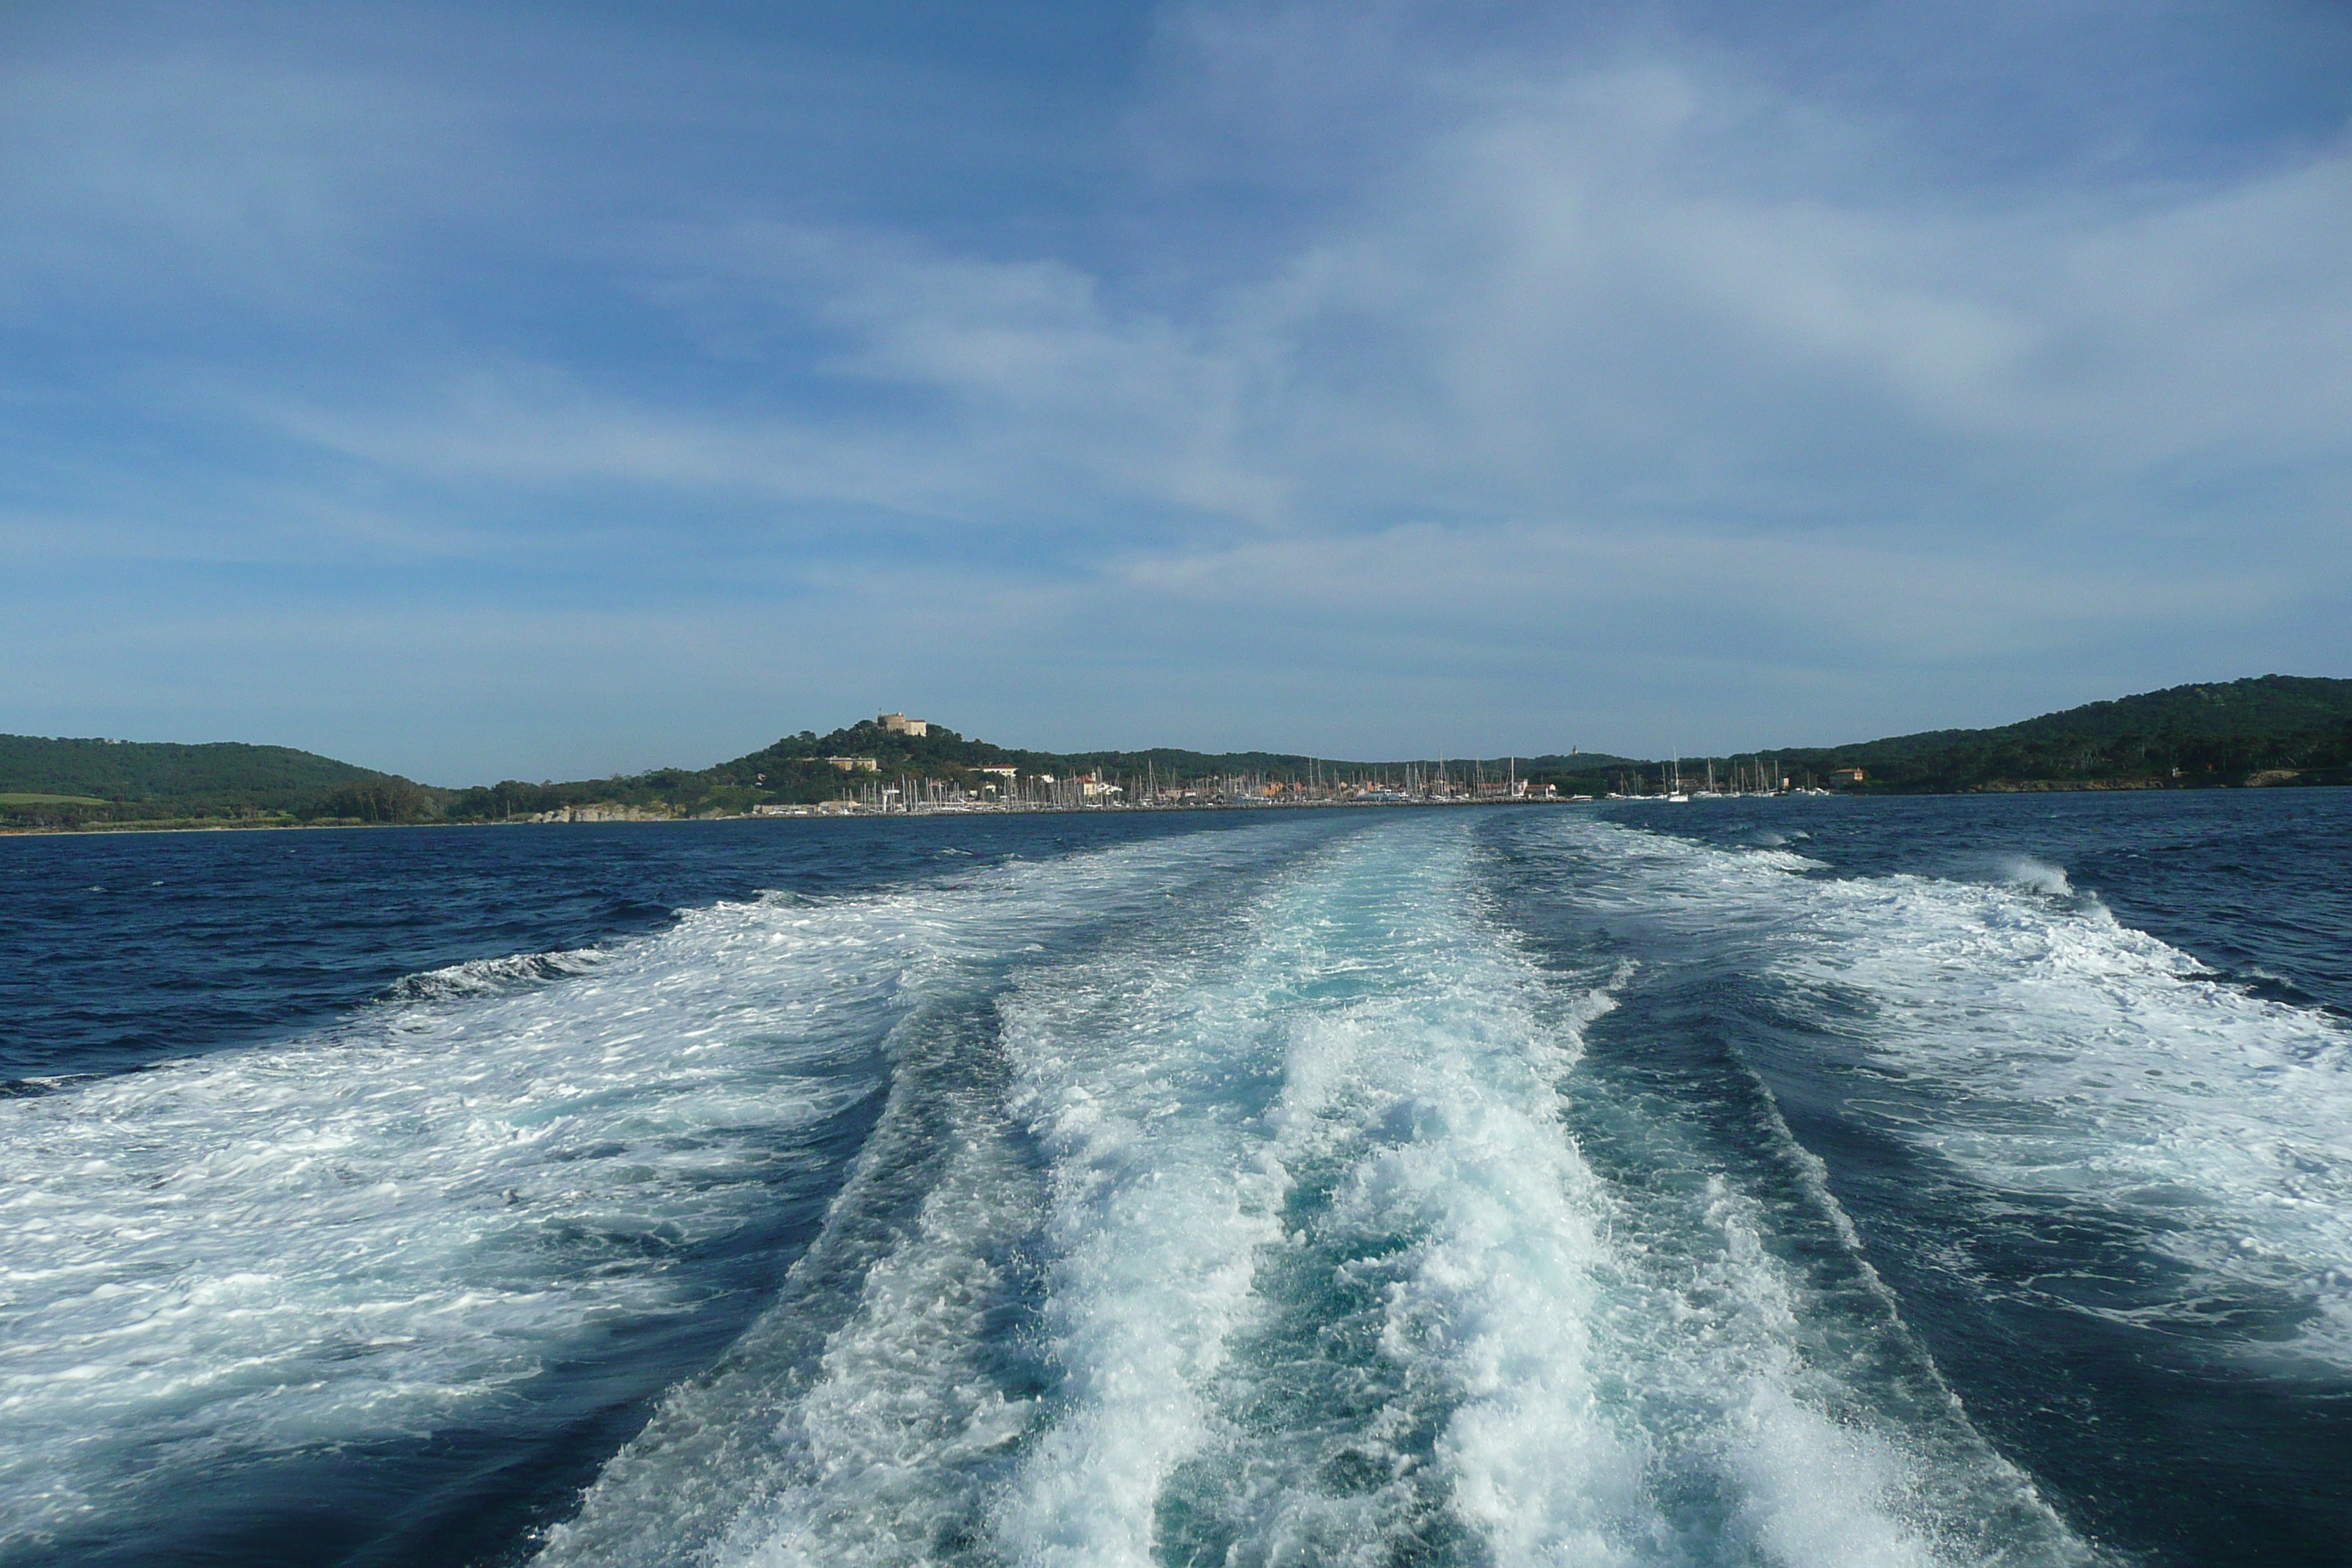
column 2223, row 732
column 2259, row 705
column 2272, row 729
column 90, row 784
column 943, row 752
column 128, row 780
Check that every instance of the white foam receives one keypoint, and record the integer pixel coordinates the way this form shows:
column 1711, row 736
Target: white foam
column 2025, row 871
column 1772, row 1422
column 903, row 1430
column 2038, row 1047
column 1789, row 1433
column 1148, row 1080
column 1168, row 1084
column 1301, row 1139
column 369, row 1232
column 1577, row 1388
column 1352, row 1090
column 1601, row 1362
column 488, row 976
column 359, row 1235
column 2074, row 1057
column 1434, row 1091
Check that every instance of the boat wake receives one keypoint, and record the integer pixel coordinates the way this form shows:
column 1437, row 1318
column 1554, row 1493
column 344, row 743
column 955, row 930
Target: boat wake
column 1261, row 1237
column 1335, row 1190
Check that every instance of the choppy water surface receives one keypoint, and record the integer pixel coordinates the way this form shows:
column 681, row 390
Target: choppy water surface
column 1801, row 1182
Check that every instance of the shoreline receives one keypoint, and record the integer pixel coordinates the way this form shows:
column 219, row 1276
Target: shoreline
column 2272, row 784
column 172, row 826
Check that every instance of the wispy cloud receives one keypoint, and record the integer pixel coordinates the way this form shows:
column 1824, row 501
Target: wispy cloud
column 1703, row 360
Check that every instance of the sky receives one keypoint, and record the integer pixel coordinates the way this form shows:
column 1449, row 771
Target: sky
column 551, row 391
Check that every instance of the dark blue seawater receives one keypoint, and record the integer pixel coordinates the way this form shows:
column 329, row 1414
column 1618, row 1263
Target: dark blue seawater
column 1812, row 1180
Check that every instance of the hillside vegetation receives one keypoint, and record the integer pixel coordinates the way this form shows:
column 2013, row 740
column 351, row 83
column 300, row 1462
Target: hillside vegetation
column 133, row 771
column 2272, row 729
column 794, row 768
column 75, row 783
column 95, row 784
column 2187, row 736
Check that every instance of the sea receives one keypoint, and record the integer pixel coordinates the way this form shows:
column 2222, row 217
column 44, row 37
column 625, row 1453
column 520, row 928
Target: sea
column 1804, row 1182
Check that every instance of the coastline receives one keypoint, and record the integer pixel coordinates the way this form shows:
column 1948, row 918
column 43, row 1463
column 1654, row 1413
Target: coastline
column 2266, row 780
column 648, row 818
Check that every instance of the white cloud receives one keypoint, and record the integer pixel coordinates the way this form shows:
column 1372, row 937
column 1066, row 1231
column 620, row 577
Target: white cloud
column 1369, row 354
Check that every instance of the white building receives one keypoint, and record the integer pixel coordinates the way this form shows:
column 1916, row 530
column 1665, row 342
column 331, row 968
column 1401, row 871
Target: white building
column 855, row 764
column 899, row 724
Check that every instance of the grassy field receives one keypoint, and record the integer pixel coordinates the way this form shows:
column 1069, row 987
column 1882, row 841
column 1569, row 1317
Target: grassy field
column 7, row 800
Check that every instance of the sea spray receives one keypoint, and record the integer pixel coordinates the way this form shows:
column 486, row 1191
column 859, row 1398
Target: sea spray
column 873, row 1414
column 406, row 1224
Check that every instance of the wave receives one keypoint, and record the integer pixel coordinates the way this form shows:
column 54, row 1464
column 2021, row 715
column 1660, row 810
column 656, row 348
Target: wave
column 394, row 1227
column 2072, row 1058
column 1222, row 1199
column 2015, row 871
column 1261, row 1237
column 1041, row 1178
column 489, row 977
column 2037, row 1050
column 2025, row 871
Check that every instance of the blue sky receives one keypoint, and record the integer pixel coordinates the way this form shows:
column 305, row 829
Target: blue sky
column 547, row 390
